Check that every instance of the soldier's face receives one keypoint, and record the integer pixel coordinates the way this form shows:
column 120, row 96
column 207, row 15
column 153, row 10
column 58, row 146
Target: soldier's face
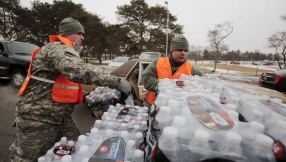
column 180, row 55
column 76, row 38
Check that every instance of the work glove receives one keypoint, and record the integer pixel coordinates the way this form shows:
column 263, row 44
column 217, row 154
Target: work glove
column 124, row 87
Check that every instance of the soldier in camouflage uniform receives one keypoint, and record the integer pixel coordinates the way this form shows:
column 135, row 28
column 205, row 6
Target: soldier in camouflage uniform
column 40, row 121
column 178, row 56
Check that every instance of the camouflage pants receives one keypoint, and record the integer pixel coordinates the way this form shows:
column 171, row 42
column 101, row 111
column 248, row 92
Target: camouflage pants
column 35, row 138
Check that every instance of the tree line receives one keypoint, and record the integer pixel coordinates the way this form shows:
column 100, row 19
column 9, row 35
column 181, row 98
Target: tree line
column 141, row 27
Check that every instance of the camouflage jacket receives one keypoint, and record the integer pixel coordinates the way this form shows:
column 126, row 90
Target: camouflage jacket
column 52, row 60
column 149, row 76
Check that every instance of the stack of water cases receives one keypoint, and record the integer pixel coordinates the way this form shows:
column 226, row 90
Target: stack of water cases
column 210, row 118
column 118, row 136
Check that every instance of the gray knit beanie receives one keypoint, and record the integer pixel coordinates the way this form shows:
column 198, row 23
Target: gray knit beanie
column 179, row 42
column 70, row 26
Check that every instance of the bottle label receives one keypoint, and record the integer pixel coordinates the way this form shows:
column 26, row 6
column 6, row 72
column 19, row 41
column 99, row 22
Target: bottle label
column 274, row 106
column 208, row 113
column 279, row 151
column 111, row 150
column 63, row 150
column 126, row 115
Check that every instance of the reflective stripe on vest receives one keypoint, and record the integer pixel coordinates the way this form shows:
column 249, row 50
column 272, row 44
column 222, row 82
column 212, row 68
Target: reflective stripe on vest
column 56, row 85
column 64, row 90
column 164, row 70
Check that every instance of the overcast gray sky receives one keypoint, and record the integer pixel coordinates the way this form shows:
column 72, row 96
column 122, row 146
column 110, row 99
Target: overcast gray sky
column 253, row 20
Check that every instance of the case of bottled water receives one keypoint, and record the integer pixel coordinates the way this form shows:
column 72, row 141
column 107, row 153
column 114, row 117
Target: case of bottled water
column 212, row 119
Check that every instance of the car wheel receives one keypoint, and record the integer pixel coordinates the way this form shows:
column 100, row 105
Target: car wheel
column 17, row 77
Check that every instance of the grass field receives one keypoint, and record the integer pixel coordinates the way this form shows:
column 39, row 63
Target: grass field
column 245, row 71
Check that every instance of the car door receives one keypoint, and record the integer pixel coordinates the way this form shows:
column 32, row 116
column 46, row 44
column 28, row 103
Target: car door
column 3, row 61
column 134, row 76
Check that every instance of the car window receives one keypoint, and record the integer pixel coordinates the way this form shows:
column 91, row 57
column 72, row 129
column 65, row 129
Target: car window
column 21, row 48
column 121, row 59
column 150, row 55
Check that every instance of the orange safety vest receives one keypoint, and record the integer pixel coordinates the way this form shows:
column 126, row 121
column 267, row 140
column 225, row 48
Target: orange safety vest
column 64, row 90
column 164, row 70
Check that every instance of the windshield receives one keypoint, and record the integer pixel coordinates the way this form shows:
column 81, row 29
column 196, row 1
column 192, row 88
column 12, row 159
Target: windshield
column 121, row 59
column 149, row 55
column 21, row 48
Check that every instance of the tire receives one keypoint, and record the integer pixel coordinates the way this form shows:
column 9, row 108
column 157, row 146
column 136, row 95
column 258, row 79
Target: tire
column 17, row 77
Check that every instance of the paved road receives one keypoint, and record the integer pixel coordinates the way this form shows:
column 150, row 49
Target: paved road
column 8, row 98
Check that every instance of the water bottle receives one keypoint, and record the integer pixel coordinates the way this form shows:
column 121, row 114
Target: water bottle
column 174, row 107
column 145, row 117
column 230, row 107
column 57, row 158
column 104, row 123
column 138, row 119
column 278, row 131
column 105, row 114
column 93, row 133
column 123, row 127
column 161, row 100
column 184, row 134
column 110, row 108
column 64, row 141
column 169, row 94
column 125, row 135
column 143, row 126
column 136, row 129
column 138, row 139
column 233, row 115
column 98, row 124
column 49, row 156
column 71, row 143
column 138, row 156
column 169, row 144
column 66, row 158
column 109, row 133
column 110, row 125
column 250, row 133
column 261, row 148
column 231, row 144
column 81, row 153
column 56, row 144
column 163, row 118
column 130, row 149
column 81, row 140
column 254, row 115
column 270, row 120
column 200, row 139
column 130, row 125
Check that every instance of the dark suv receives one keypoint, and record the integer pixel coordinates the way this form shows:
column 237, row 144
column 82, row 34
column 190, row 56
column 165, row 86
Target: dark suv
column 15, row 58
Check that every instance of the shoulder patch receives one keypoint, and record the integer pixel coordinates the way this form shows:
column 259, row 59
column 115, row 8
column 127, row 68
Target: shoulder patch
column 71, row 51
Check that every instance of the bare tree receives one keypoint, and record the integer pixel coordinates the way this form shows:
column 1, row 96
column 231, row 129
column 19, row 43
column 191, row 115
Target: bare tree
column 278, row 42
column 195, row 52
column 283, row 17
column 216, row 38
